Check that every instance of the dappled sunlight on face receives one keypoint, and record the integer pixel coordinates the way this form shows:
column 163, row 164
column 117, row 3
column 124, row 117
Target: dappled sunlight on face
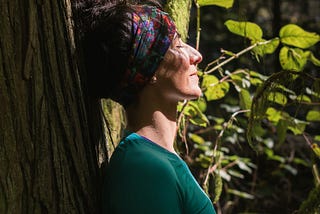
column 178, row 71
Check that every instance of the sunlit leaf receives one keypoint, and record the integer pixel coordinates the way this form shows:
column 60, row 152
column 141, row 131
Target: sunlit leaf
column 256, row 78
column 315, row 91
column 316, row 149
column 277, row 97
column 240, row 194
column 272, row 156
column 196, row 116
column 244, row 166
column 267, row 48
column 301, row 161
column 204, row 161
column 221, row 3
column 297, row 126
column 245, row 99
column 294, row 35
column 249, row 30
column 314, row 60
column 303, row 98
column 313, row 115
column 258, row 75
column 235, row 173
column 273, row 114
column 201, row 103
column 213, row 89
column 293, row 59
column 282, row 127
column 289, row 168
column 224, row 175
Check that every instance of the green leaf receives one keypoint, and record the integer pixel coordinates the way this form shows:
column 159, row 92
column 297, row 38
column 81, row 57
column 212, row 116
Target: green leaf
column 221, row 3
column 297, row 126
column 201, row 103
column 245, row 99
column 213, row 89
column 313, row 115
column 293, row 59
column 288, row 167
column 316, row 149
column 243, row 166
column 314, row 60
column 240, row 194
column 278, row 97
column 196, row 138
column 272, row 156
column 195, row 115
column 303, row 98
column 246, row 29
column 267, row 48
column 235, row 173
column 282, row 127
column 256, row 78
column 258, row 75
column 301, row 161
column 273, row 115
column 293, row 35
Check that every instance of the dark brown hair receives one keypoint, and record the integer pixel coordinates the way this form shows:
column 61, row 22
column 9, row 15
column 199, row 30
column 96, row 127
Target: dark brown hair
column 106, row 39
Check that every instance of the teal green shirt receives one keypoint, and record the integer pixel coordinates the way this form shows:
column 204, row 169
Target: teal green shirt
column 144, row 178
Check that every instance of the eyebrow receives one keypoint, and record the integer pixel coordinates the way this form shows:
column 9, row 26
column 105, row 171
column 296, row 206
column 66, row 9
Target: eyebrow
column 177, row 35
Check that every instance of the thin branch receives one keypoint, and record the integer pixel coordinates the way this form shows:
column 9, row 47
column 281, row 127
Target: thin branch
column 211, row 168
column 237, row 55
column 198, row 26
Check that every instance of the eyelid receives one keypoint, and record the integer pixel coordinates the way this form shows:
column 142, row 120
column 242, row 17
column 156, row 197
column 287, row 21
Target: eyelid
column 178, row 35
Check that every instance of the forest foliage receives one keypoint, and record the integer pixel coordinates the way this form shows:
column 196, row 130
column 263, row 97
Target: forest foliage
column 248, row 121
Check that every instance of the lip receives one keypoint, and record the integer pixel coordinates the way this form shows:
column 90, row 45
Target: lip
column 194, row 76
column 194, row 73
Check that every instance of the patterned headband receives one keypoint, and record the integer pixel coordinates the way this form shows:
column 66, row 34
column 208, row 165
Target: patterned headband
column 153, row 31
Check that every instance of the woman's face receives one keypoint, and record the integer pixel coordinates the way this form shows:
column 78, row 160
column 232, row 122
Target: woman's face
column 177, row 77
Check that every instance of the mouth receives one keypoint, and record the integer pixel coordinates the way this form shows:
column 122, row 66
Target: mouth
column 194, row 74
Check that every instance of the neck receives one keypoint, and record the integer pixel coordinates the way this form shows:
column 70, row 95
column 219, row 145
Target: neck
column 155, row 121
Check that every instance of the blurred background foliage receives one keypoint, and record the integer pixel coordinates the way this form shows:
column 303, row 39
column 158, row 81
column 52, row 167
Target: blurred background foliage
column 252, row 140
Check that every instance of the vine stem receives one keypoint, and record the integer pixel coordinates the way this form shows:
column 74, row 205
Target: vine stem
column 184, row 104
column 198, row 25
column 211, row 168
column 236, row 56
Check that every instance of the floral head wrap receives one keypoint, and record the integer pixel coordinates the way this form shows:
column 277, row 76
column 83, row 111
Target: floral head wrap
column 153, row 31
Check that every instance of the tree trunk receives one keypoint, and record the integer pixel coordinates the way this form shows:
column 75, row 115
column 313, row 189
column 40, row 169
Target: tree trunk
column 47, row 158
column 179, row 10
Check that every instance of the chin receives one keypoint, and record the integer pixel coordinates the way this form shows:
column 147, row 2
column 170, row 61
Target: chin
column 194, row 95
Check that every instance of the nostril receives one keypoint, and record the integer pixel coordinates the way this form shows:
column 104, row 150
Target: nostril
column 196, row 58
column 199, row 58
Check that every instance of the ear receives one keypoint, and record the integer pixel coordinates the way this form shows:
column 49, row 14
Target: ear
column 153, row 80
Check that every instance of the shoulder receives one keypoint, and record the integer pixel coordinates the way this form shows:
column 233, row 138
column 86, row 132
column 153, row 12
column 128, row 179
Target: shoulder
column 135, row 156
column 143, row 178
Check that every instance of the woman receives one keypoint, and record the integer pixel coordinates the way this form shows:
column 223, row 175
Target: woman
column 135, row 56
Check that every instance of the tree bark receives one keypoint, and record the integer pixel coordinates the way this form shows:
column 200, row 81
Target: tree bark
column 179, row 10
column 48, row 162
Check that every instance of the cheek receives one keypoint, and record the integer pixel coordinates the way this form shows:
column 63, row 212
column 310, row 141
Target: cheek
column 175, row 61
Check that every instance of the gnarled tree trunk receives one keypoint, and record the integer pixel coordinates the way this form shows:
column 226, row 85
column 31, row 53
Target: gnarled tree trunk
column 47, row 160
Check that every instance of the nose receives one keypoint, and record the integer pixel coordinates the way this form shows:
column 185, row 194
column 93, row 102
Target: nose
column 195, row 56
